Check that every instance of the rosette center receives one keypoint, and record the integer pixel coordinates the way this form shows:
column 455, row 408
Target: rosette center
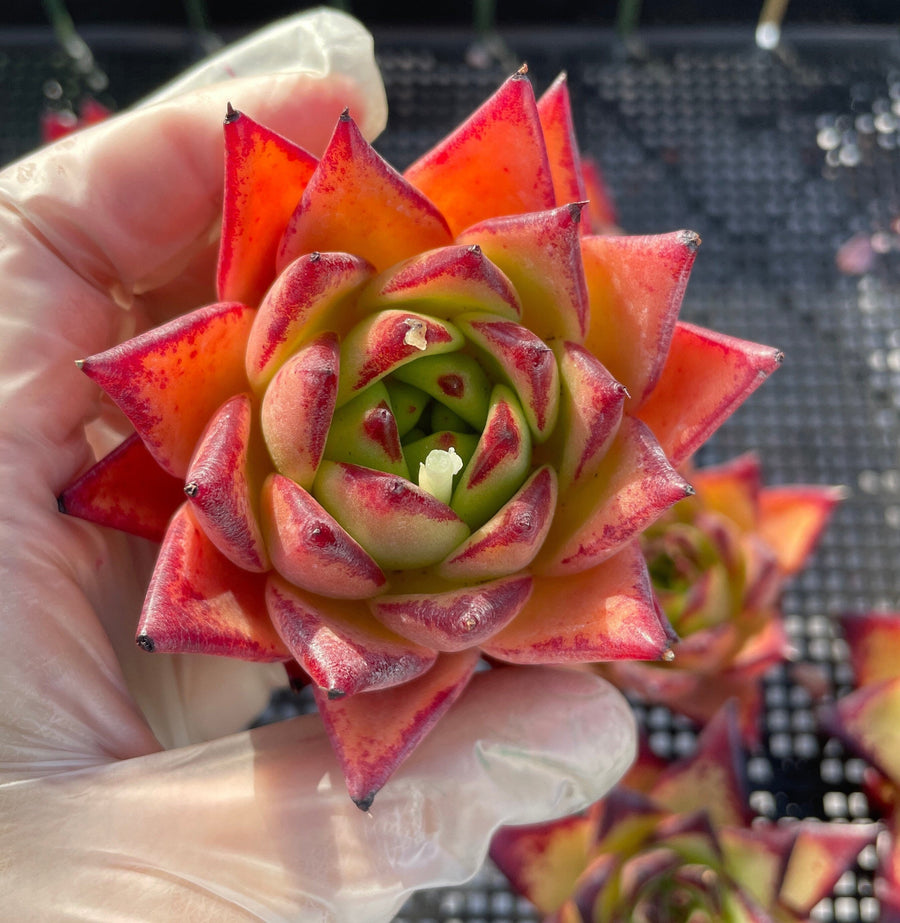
column 430, row 435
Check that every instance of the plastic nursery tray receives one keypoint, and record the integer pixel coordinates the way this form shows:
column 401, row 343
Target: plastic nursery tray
column 776, row 159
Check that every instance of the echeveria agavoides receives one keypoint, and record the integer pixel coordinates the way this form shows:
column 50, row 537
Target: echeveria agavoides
column 428, row 418
column 718, row 563
column 867, row 720
column 676, row 842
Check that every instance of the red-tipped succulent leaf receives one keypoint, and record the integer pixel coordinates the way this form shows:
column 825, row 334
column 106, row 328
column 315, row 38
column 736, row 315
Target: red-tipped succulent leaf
column 557, row 124
column 265, row 175
column 144, row 510
column 494, row 164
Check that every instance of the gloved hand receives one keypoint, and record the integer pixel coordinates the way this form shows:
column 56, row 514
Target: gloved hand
column 102, row 234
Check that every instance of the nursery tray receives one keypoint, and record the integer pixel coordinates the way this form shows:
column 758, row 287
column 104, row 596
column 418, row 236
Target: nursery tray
column 777, row 159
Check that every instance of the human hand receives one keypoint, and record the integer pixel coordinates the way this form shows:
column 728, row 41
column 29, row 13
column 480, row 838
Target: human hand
column 103, row 234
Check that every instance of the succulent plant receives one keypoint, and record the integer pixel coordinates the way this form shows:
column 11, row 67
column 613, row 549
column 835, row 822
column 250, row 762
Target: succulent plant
column 718, row 562
column 868, row 719
column 57, row 123
column 674, row 843
column 427, row 419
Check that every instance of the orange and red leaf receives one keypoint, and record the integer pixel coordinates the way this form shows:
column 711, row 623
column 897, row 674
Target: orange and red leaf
column 494, row 163
column 608, row 612
column 636, row 285
column 199, row 602
column 170, row 380
column 126, row 490
column 374, row 732
column 707, row 376
column 265, row 175
column 356, row 203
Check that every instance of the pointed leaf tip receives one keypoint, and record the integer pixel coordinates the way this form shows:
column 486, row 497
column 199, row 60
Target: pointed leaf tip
column 691, row 239
column 146, row 643
column 308, row 298
column 311, row 549
column 231, row 114
column 631, row 488
column 342, row 648
column 357, row 203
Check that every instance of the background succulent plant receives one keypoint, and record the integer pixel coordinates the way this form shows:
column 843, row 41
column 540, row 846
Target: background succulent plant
column 867, row 720
column 675, row 843
column 718, row 563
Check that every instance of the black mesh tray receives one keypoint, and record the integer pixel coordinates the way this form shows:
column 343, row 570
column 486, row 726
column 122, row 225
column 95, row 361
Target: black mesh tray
column 776, row 159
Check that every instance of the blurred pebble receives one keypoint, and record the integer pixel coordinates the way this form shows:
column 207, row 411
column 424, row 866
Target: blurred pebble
column 856, row 255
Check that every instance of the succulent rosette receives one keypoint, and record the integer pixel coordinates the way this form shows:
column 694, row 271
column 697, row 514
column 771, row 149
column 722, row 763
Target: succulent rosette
column 675, row 843
column 868, row 719
column 427, row 420
column 718, row 562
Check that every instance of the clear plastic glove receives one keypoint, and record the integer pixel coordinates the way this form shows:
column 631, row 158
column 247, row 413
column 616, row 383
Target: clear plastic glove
column 101, row 235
